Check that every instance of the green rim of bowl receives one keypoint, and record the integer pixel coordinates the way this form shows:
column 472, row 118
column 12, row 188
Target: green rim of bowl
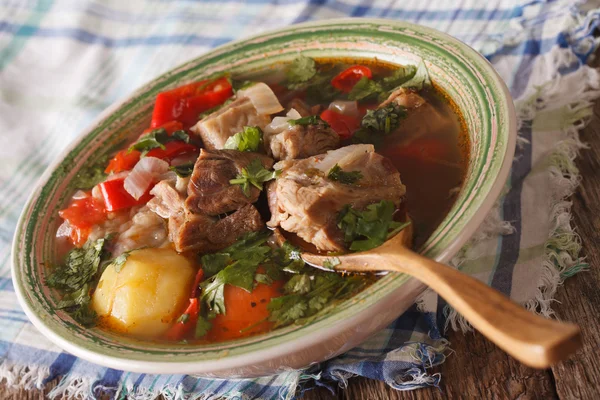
column 461, row 72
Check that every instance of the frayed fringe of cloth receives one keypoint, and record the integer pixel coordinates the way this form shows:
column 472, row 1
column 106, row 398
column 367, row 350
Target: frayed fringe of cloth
column 562, row 248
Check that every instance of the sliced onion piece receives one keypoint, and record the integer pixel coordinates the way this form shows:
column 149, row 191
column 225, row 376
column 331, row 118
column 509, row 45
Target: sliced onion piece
column 293, row 114
column 263, row 98
column 143, row 174
column 344, row 107
column 279, row 124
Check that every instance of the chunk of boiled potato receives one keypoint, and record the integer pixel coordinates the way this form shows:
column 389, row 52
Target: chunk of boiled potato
column 149, row 292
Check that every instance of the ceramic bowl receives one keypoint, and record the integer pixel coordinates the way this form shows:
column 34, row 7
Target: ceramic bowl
column 460, row 71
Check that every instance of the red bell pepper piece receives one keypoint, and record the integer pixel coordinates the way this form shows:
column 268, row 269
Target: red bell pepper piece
column 124, row 160
column 185, row 103
column 345, row 80
column 172, row 150
column 186, row 323
column 199, row 277
column 117, row 198
column 343, row 125
column 82, row 215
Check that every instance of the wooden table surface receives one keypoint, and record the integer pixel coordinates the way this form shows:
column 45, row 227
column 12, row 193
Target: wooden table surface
column 478, row 369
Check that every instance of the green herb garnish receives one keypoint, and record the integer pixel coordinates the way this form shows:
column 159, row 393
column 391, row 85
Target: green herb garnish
column 157, row 139
column 378, row 123
column 331, row 263
column 91, row 176
column 202, row 327
column 300, row 71
column 254, row 175
column 336, row 173
column 310, row 120
column 365, row 230
column 247, row 140
column 365, row 89
column 183, row 170
column 74, row 278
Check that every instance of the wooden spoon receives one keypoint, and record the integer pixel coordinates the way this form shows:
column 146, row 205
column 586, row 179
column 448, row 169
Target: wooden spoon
column 535, row 341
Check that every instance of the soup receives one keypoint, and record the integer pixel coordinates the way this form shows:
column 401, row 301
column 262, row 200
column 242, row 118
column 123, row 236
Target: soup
column 193, row 232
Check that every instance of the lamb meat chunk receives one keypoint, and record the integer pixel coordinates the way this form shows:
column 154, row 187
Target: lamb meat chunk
column 422, row 117
column 167, row 200
column 205, row 234
column 216, row 128
column 209, row 190
column 300, row 141
column 303, row 200
column 219, row 126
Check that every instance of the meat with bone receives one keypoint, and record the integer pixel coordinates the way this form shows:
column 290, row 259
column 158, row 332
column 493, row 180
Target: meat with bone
column 209, row 190
column 303, row 200
column 251, row 108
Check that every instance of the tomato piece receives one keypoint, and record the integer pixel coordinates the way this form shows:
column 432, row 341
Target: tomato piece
column 124, row 160
column 82, row 215
column 117, row 198
column 186, row 323
column 197, row 280
column 185, row 103
column 345, row 80
column 172, row 150
column 246, row 313
column 343, row 125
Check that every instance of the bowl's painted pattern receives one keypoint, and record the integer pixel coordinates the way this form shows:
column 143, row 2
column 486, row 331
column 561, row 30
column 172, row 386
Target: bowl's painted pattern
column 461, row 72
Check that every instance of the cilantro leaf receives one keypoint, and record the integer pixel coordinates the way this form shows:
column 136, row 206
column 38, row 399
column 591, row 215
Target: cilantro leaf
column 183, row 170
column 120, row 260
column 310, row 120
column 298, row 284
column 202, row 327
column 365, row 230
column 420, row 78
column 74, row 277
column 365, row 89
column 287, row 309
column 254, row 175
column 331, row 263
column 348, row 178
column 157, row 138
column 301, row 70
column 247, row 140
column 378, row 123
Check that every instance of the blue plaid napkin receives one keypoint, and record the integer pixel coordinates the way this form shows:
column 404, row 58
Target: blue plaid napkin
column 63, row 61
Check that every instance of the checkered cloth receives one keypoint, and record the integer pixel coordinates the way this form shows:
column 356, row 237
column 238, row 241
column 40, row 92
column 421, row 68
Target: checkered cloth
column 64, row 61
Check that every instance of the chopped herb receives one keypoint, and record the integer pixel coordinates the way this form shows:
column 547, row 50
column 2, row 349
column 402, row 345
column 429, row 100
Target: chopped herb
column 206, row 113
column 309, row 295
column 289, row 258
column 183, row 170
column 202, row 327
column 157, row 139
column 74, row 277
column 247, row 140
column 254, row 175
column 379, row 122
column 365, row 230
column 300, row 71
column 420, row 78
column 348, row 178
column 365, row 89
column 310, row 120
column 264, row 279
column 331, row 263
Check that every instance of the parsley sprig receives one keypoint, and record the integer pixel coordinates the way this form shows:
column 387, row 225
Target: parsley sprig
column 249, row 139
column 336, row 173
column 254, row 175
column 370, row 228
column 157, row 138
column 75, row 277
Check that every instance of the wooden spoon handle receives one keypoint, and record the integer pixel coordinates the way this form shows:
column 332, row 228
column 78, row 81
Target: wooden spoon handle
column 535, row 341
